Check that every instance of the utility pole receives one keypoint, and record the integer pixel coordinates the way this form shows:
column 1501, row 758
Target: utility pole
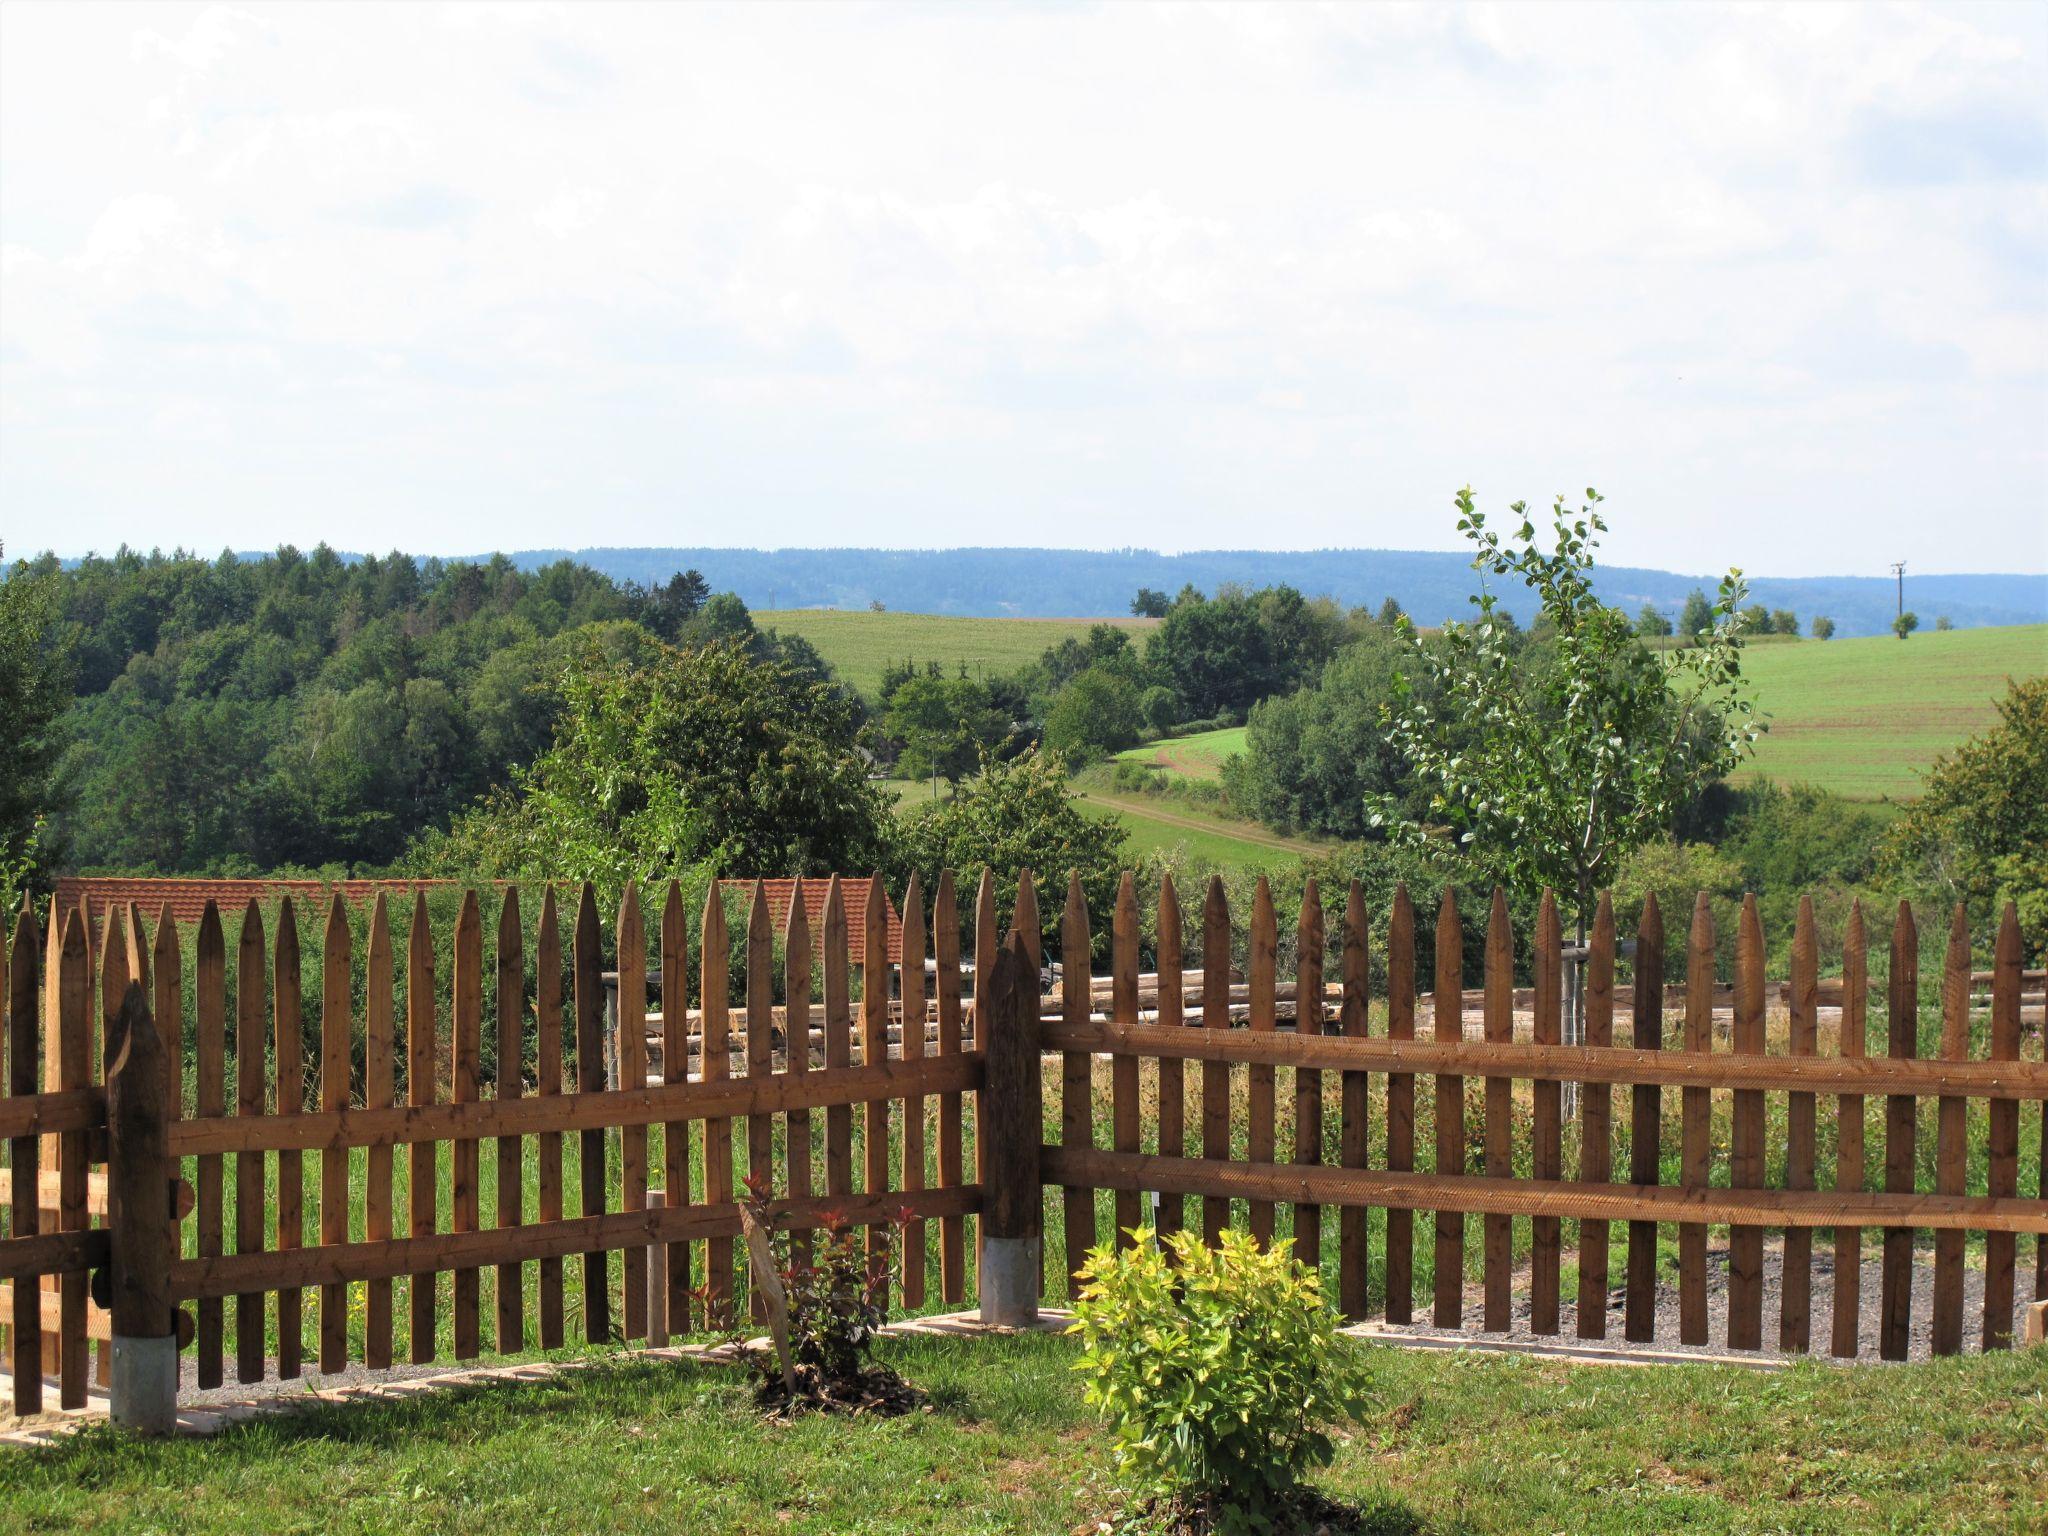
column 1899, row 570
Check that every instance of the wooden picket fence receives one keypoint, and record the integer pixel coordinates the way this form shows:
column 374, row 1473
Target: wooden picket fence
column 788, row 1116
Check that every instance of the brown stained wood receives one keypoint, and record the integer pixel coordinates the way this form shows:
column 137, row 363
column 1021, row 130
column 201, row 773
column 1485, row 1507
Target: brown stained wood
column 1596, row 1124
column 423, row 1195
column 796, row 989
column 1262, row 973
column 547, row 1084
column 1215, row 1074
column 1400, row 1104
column 1850, row 1173
column 379, row 1091
column 465, row 1076
column 874, row 1047
column 1170, row 1213
column 288, row 1052
column 510, row 1085
column 209, row 1098
column 337, row 955
column 1795, row 1287
column 946, row 954
column 24, row 1156
column 760, row 993
column 1123, row 1067
column 2003, row 1133
column 1696, row 1124
column 1308, row 1081
column 586, row 982
column 1353, row 1016
column 985, row 945
column 1547, row 1153
column 1499, row 1231
column 1025, row 923
column 1077, row 1109
column 1450, row 1114
column 1895, row 1298
column 714, row 969
column 167, row 1007
column 1951, row 1154
column 675, row 1068
column 114, row 971
column 914, row 1104
column 138, row 1175
column 1746, row 1147
column 629, row 1051
column 1006, row 1005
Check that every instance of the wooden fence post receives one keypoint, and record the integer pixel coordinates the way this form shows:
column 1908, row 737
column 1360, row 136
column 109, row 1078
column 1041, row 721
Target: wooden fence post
column 144, row 1389
column 1012, row 1211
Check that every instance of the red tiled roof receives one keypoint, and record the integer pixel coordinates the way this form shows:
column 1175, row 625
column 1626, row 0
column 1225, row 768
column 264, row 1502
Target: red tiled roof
column 853, row 894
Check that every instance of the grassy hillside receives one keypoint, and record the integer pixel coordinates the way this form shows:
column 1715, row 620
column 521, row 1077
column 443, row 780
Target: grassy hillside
column 1865, row 718
column 1158, row 826
column 860, row 645
column 1196, row 757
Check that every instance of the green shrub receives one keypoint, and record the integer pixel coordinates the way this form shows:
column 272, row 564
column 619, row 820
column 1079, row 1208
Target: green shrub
column 1220, row 1370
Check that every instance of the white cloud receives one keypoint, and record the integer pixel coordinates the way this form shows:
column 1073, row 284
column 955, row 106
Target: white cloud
column 1776, row 280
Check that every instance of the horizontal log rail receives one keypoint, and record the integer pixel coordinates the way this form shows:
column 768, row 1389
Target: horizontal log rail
column 342, row 1263
column 1477, row 1195
column 52, row 1253
column 1561, row 1063
column 658, row 1102
column 46, row 1114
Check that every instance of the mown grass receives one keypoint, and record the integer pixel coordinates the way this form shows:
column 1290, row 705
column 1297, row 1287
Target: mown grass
column 1177, row 829
column 1447, row 1444
column 862, row 645
column 1200, row 756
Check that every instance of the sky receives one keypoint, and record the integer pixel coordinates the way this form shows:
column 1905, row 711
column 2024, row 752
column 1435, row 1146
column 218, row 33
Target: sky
column 470, row 277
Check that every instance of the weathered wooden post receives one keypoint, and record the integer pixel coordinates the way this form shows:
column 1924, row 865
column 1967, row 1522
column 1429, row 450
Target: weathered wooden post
column 143, row 1393
column 1012, row 1204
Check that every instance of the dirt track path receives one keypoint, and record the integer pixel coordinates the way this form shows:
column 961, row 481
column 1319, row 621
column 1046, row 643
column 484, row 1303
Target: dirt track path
column 1244, row 832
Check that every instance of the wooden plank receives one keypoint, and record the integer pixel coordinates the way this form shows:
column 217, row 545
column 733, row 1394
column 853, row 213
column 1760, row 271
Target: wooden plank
column 1077, row 1109
column 337, row 953
column 1170, row 1213
column 914, row 1104
column 1596, row 1123
column 587, row 999
column 24, row 1157
column 1795, row 1287
column 510, row 1281
column 946, row 954
column 1696, row 1124
column 1450, row 1114
column 1127, row 1216
column 54, row 1253
column 1308, row 1081
column 874, row 1047
column 1353, row 1017
column 1215, row 1074
column 423, row 1189
column 1951, row 1154
column 760, row 991
column 167, row 1007
column 209, row 1099
column 547, row 1084
column 1498, row 1231
column 465, row 1074
column 675, row 1068
column 251, row 1024
column 1850, row 1174
column 716, row 979
column 380, row 1082
column 1547, row 1151
column 1746, row 1144
column 1400, row 1103
column 629, row 1051
column 1025, row 923
column 1264, row 958
column 796, row 988
column 288, row 1051
column 1895, row 1300
column 838, row 1044
column 2003, row 1134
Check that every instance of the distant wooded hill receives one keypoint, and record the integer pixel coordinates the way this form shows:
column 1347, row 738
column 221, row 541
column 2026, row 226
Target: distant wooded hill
column 1430, row 585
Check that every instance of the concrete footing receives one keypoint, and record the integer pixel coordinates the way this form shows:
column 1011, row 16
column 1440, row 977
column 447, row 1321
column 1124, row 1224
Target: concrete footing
column 1009, row 1281
column 142, row 1394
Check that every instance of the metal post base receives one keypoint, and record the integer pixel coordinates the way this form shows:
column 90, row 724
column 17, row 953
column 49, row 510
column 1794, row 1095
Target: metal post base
column 1009, row 1282
column 142, row 1395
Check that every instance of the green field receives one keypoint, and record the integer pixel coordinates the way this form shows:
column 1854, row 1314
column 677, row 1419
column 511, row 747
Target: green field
column 860, row 645
column 1866, row 717
column 1200, row 756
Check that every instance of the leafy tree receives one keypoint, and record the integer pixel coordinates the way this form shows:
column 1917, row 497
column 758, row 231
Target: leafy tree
column 1784, row 622
column 34, row 690
column 1651, row 624
column 1823, row 628
column 1391, row 613
column 1568, row 765
column 1697, row 617
column 1096, row 715
column 1905, row 624
column 1979, row 832
column 1161, row 708
column 1149, row 604
column 1943, row 623
column 944, row 723
column 1755, row 620
column 1223, row 654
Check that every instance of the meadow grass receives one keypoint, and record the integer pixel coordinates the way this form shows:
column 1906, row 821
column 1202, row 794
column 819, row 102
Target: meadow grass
column 1178, row 827
column 861, row 645
column 1200, row 756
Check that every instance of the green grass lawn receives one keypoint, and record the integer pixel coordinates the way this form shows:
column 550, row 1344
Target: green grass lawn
column 861, row 645
column 1200, row 756
column 1866, row 717
column 1158, row 825
column 1464, row 1443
